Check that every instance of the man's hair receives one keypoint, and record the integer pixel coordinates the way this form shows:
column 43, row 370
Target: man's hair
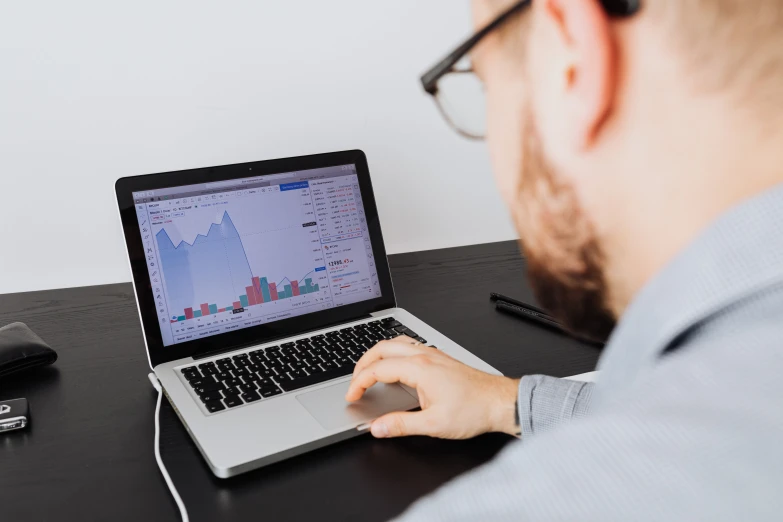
column 723, row 44
column 735, row 44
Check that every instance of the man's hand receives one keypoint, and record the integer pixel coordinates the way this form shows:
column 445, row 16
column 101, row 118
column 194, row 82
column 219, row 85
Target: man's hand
column 457, row 401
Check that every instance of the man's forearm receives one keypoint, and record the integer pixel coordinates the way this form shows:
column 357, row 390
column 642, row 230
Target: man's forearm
column 545, row 402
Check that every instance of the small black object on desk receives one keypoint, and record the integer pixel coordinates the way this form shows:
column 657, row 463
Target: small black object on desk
column 22, row 349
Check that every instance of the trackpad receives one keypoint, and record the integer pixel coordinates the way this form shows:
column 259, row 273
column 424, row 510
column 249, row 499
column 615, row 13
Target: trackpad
column 332, row 411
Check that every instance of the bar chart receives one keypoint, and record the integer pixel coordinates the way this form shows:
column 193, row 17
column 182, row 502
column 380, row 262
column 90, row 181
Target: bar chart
column 261, row 291
column 220, row 256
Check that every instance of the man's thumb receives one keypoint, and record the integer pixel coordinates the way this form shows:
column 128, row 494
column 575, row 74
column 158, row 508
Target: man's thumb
column 398, row 424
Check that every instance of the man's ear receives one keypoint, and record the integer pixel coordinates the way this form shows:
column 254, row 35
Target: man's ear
column 586, row 71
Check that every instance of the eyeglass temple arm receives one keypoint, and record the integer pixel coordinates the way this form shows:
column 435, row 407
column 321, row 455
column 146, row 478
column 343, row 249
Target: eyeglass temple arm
column 429, row 80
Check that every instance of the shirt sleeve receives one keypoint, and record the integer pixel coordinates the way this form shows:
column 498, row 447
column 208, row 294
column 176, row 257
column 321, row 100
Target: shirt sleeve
column 547, row 402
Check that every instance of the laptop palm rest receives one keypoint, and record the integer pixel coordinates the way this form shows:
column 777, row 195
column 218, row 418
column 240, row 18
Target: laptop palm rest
column 332, row 411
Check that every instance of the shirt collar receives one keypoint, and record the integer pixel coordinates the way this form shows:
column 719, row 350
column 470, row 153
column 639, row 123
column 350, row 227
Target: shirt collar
column 738, row 255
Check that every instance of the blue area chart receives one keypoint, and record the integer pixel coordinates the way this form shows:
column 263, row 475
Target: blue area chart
column 212, row 275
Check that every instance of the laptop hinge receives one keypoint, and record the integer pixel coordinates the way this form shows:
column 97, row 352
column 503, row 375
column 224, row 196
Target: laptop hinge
column 273, row 339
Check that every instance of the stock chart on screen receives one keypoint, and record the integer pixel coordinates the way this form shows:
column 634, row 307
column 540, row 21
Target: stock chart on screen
column 229, row 255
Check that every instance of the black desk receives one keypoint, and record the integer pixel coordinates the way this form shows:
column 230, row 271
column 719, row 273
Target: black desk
column 88, row 454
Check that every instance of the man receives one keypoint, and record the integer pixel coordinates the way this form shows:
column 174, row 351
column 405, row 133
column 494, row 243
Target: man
column 641, row 158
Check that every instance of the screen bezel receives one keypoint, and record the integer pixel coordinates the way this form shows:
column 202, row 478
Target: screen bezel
column 158, row 353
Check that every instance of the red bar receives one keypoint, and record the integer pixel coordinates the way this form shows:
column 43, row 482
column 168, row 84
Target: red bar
column 237, row 305
column 173, row 320
column 188, row 313
column 221, row 310
column 273, row 291
column 295, row 287
column 204, row 310
column 257, row 286
column 251, row 295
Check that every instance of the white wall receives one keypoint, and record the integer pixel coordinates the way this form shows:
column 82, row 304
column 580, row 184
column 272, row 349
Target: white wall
column 92, row 90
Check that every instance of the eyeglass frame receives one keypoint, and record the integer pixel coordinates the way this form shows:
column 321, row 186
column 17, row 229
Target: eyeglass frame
column 430, row 79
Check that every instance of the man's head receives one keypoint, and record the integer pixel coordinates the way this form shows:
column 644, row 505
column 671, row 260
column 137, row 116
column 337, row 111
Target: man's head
column 614, row 142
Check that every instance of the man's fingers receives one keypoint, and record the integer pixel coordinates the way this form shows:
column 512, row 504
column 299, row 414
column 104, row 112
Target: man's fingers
column 398, row 347
column 400, row 424
column 395, row 369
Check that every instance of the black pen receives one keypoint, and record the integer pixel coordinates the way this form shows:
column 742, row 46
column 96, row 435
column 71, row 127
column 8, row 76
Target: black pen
column 526, row 312
column 494, row 296
column 522, row 310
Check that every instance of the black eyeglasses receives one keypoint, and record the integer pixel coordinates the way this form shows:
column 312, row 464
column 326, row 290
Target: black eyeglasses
column 458, row 92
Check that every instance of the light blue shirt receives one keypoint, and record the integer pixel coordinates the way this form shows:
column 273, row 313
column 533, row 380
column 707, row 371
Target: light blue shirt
column 686, row 419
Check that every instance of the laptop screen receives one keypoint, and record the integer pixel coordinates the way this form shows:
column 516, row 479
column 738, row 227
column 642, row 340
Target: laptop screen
column 234, row 254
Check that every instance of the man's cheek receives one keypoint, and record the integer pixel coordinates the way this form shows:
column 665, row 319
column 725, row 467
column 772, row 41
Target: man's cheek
column 505, row 150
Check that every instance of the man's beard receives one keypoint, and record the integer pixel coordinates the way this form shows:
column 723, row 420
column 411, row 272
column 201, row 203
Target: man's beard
column 565, row 263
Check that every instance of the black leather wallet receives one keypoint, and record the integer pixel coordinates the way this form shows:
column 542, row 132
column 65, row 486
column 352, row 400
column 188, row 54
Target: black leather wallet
column 21, row 348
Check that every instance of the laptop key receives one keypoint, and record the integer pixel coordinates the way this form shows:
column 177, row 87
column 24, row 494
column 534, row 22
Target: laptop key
column 247, row 388
column 213, row 406
column 266, row 373
column 210, row 396
column 269, row 391
column 298, row 365
column 223, row 376
column 230, row 391
column 191, row 373
column 251, row 396
column 208, row 387
column 232, row 401
column 297, row 374
column 209, row 371
column 233, row 382
column 316, row 378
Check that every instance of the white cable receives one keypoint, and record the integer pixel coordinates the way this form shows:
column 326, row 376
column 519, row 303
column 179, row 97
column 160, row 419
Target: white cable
column 181, row 505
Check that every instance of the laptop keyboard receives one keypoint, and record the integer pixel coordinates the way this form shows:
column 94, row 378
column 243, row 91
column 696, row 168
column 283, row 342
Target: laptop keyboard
column 260, row 374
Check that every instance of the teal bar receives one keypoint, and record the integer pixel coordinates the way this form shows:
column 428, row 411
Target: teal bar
column 308, row 285
column 181, row 318
column 229, row 308
column 265, row 290
column 244, row 301
column 197, row 313
column 213, row 309
column 315, row 288
column 288, row 291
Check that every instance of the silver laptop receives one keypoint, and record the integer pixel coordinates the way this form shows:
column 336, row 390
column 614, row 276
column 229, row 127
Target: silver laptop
column 259, row 286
